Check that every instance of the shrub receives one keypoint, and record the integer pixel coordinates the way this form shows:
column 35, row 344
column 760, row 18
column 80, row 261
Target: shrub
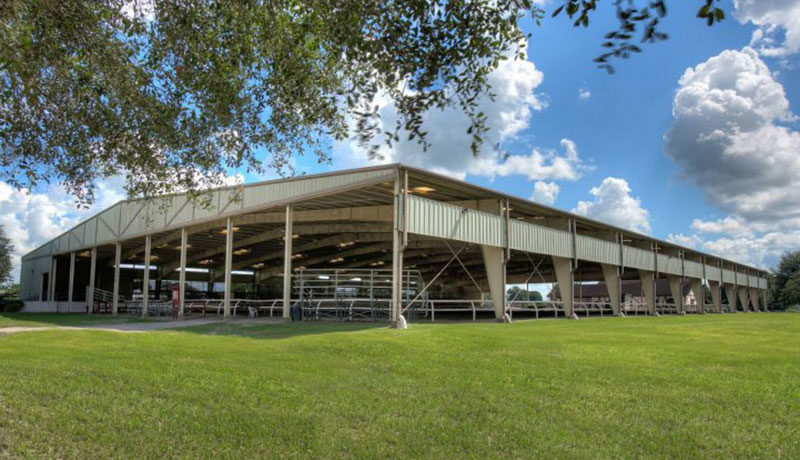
column 11, row 305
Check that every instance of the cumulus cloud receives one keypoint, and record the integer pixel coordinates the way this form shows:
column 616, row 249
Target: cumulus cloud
column 728, row 138
column 32, row 218
column 614, row 204
column 545, row 192
column 778, row 22
column 584, row 94
column 514, row 84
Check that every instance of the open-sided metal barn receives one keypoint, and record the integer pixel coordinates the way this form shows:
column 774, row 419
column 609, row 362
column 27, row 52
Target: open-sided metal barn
column 380, row 243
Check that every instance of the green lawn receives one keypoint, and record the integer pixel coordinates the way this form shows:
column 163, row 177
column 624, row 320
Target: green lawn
column 60, row 319
column 713, row 386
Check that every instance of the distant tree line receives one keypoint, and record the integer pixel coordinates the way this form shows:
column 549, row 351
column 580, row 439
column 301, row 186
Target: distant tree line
column 517, row 293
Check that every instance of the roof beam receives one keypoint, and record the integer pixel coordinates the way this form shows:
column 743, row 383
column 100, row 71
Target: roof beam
column 363, row 214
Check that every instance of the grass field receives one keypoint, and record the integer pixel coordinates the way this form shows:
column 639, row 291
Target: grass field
column 713, row 386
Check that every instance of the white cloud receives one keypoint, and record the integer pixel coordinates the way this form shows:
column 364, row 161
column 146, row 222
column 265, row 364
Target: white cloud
column 728, row 139
column 614, row 204
column 545, row 192
column 584, row 94
column 32, row 218
column 514, row 84
column 778, row 22
column 689, row 241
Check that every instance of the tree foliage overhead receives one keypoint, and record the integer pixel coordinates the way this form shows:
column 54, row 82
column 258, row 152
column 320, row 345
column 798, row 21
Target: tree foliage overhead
column 173, row 93
column 6, row 248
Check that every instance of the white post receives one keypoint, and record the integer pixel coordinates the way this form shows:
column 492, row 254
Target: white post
column 563, row 271
column 730, row 293
column 716, row 296
column 743, row 298
column 71, row 286
column 611, row 277
column 676, row 289
column 648, row 288
column 397, row 261
column 699, row 294
column 52, row 287
column 754, row 299
column 228, row 264
column 115, row 293
column 146, row 276
column 92, row 269
column 287, row 262
column 493, row 258
column 182, row 274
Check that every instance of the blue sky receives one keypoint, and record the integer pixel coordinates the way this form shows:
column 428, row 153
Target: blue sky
column 725, row 180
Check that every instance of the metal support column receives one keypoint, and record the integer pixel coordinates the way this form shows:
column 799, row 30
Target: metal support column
column 676, row 289
column 287, row 262
column 92, row 270
column 52, row 287
column 146, row 277
column 70, row 288
column 115, row 291
column 228, row 264
column 563, row 271
column 743, row 298
column 611, row 277
column 397, row 318
column 182, row 274
column 699, row 295
column 647, row 280
column 716, row 296
column 730, row 293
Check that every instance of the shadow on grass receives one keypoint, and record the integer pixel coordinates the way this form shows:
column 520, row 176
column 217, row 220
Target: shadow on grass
column 277, row 330
column 62, row 319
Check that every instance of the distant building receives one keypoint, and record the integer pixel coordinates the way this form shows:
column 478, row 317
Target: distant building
column 631, row 292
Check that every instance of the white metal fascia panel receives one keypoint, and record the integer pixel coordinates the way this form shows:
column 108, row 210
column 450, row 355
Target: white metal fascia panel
column 637, row 258
column 41, row 251
column 177, row 210
column 728, row 276
column 90, row 232
column 597, row 250
column 31, row 275
column 539, row 239
column 762, row 283
column 262, row 194
column 669, row 265
column 713, row 273
column 442, row 220
column 692, row 269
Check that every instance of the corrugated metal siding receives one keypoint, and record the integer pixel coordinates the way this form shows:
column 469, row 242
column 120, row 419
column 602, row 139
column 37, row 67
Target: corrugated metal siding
column 668, row 264
column 90, row 237
column 539, row 239
column 442, row 220
column 597, row 250
column 39, row 252
column 692, row 269
column 257, row 195
column 133, row 218
column 30, row 277
column 637, row 258
column 712, row 273
column 728, row 276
